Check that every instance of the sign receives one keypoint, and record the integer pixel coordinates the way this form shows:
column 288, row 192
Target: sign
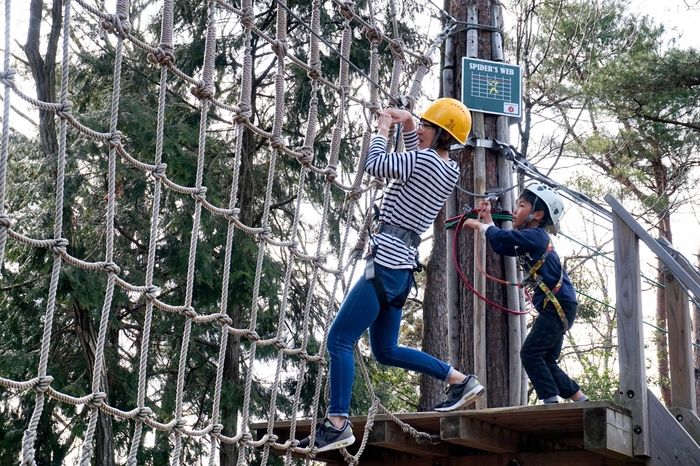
column 492, row 87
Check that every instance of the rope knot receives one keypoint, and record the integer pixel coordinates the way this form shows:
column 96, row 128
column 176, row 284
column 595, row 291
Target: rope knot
column 307, row 155
column 115, row 139
column 65, row 110
column 353, row 195
column 111, row 267
column 246, row 437
column 43, row 383
column 202, row 91
column 189, row 312
column 397, row 50
column 277, row 143
column 248, row 17
column 97, row 399
column 266, row 232
column 5, row 221
column 233, row 214
column 179, row 426
column 59, row 246
column 279, row 344
column 120, row 27
column 200, row 194
column 252, row 335
column 271, row 439
column 373, row 34
column 319, row 260
column 144, row 413
column 216, row 429
column 224, row 319
column 7, row 78
column 348, row 9
column 244, row 113
column 162, row 56
column 331, row 174
column 159, row 171
column 151, row 292
column 315, row 72
column 425, row 61
column 279, row 47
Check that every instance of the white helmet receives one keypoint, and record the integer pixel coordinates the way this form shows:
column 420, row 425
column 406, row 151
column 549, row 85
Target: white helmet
column 553, row 201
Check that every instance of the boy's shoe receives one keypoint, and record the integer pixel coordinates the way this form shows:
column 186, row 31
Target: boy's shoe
column 460, row 394
column 330, row 438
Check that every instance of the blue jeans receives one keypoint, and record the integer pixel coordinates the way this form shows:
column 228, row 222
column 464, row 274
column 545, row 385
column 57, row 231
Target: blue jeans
column 541, row 350
column 360, row 311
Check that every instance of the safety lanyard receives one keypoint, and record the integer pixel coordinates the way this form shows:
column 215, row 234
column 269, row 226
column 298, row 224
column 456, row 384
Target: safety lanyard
column 549, row 294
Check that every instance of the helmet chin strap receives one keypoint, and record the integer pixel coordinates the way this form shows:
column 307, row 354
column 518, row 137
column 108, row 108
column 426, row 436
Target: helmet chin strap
column 438, row 132
column 527, row 220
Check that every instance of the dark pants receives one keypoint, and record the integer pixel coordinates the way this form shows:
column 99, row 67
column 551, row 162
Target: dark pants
column 541, row 351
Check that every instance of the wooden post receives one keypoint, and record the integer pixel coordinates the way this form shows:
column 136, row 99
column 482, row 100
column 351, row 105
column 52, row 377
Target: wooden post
column 479, row 281
column 452, row 210
column 680, row 356
column 505, row 178
column 633, row 384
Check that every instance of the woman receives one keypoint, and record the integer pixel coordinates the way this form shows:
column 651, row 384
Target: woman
column 421, row 180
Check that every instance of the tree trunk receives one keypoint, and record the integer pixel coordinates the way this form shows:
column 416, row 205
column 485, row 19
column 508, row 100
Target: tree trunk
column 104, row 437
column 662, row 318
column 696, row 351
column 44, row 69
column 228, row 453
column 497, row 372
column 434, row 314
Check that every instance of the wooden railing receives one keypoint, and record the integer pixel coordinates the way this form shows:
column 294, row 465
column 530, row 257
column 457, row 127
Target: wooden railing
column 633, row 393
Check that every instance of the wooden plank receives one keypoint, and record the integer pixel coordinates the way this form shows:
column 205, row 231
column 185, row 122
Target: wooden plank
column 633, row 385
column 558, row 458
column 688, row 281
column 388, row 434
column 670, row 443
column 680, row 354
column 478, row 434
column 607, row 432
column 689, row 421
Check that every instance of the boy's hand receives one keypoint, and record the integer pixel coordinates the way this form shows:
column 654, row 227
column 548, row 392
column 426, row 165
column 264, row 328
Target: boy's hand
column 484, row 209
column 472, row 223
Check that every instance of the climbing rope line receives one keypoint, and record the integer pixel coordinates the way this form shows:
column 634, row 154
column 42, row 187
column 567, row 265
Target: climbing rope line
column 177, row 424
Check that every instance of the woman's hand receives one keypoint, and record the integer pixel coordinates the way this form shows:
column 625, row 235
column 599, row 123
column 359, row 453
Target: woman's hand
column 393, row 116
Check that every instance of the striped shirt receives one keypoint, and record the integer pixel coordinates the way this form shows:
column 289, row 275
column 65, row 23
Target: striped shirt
column 420, row 183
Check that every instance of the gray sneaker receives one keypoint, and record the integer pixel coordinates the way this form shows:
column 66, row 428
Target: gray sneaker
column 461, row 394
column 330, row 438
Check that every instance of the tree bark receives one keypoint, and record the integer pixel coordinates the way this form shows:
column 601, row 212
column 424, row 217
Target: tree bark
column 44, row 68
column 696, row 351
column 104, row 437
column 435, row 314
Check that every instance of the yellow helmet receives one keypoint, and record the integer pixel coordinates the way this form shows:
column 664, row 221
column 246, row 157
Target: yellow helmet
column 451, row 115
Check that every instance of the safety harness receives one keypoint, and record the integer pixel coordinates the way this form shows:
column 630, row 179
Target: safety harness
column 534, row 279
column 410, row 238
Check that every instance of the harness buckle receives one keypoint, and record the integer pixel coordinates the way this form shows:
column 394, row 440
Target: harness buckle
column 410, row 238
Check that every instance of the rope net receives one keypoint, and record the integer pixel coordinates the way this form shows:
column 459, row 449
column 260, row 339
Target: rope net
column 315, row 246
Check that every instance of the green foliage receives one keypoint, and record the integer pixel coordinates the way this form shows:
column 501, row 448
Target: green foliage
column 81, row 293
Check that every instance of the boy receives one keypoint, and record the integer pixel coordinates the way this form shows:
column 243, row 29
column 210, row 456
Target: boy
column 539, row 208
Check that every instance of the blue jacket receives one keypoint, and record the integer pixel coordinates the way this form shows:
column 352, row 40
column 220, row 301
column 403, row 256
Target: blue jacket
column 528, row 246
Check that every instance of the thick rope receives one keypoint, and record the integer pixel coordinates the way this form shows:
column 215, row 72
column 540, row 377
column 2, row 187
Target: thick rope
column 162, row 56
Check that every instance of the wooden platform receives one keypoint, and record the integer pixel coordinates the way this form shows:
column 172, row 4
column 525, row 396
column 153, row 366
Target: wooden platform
column 581, row 434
